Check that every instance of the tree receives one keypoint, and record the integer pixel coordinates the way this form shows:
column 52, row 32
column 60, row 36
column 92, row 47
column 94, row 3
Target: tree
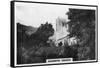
column 42, row 34
column 27, row 44
column 82, row 25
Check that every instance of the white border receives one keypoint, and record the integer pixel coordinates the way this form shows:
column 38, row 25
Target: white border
column 70, row 6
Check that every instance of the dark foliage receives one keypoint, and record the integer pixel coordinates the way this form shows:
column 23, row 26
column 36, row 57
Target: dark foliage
column 40, row 37
column 30, row 40
column 82, row 25
column 70, row 52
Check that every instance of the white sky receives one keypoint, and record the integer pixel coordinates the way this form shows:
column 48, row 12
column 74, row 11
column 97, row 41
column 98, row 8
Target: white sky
column 33, row 14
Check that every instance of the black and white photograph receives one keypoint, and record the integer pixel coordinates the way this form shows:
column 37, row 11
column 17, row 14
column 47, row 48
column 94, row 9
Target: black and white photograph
column 51, row 33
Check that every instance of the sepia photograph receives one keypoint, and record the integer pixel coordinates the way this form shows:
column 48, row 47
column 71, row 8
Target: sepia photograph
column 51, row 33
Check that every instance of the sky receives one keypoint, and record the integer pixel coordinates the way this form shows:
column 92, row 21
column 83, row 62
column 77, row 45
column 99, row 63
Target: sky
column 34, row 14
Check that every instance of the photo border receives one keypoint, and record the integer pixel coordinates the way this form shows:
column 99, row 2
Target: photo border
column 13, row 39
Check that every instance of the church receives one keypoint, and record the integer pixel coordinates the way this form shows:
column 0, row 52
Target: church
column 61, row 33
